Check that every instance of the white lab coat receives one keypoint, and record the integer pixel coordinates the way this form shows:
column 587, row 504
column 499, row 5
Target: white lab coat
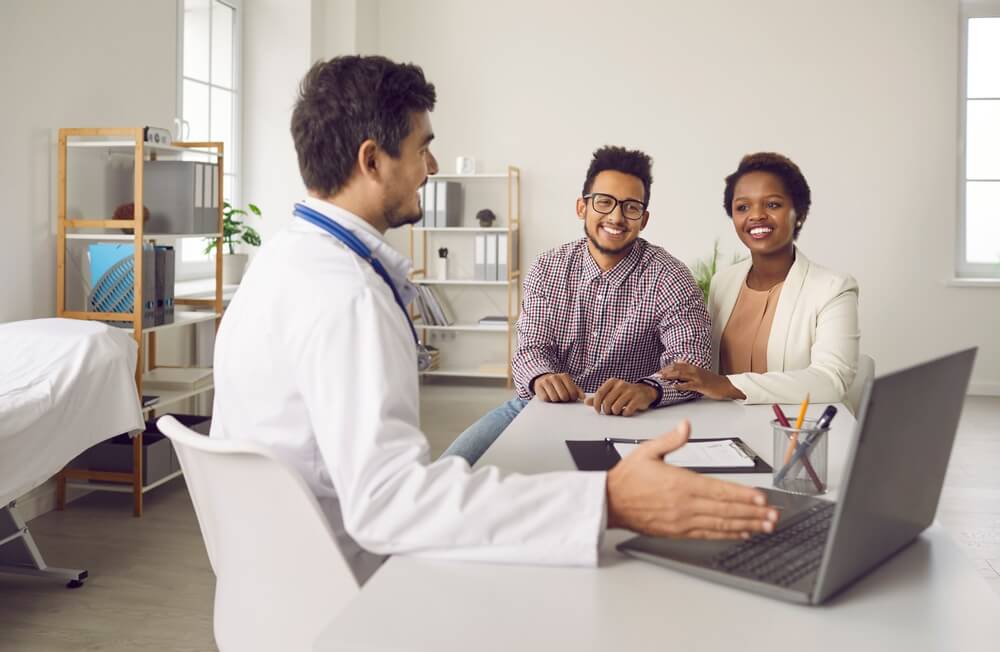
column 315, row 360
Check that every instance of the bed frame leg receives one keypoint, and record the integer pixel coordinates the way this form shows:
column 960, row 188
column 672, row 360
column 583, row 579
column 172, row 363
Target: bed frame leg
column 20, row 555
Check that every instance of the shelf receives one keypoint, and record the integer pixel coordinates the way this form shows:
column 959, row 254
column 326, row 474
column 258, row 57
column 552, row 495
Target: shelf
column 485, row 175
column 427, row 281
column 129, row 147
column 168, row 397
column 463, row 327
column 468, row 373
column 145, row 236
column 181, row 318
column 463, row 229
column 122, row 488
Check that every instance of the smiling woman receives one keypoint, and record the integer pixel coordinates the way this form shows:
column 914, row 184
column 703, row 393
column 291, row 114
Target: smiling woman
column 782, row 326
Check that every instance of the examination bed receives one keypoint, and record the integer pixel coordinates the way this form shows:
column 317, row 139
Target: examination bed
column 65, row 385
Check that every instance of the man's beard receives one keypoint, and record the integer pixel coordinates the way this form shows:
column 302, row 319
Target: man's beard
column 601, row 248
column 397, row 216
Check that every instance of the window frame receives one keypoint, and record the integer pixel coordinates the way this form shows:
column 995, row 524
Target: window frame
column 189, row 270
column 964, row 269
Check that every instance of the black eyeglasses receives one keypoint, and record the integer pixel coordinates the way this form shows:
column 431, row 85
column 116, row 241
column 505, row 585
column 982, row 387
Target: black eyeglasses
column 605, row 204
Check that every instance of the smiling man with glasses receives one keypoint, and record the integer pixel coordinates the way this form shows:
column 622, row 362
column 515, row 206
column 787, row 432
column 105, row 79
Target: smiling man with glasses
column 601, row 313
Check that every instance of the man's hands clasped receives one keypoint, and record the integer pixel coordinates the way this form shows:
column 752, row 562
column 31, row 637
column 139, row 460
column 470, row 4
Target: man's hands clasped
column 615, row 396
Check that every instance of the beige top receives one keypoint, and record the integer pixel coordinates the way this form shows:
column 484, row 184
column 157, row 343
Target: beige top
column 743, row 347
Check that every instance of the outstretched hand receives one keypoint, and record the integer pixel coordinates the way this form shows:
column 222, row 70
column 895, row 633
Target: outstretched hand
column 649, row 496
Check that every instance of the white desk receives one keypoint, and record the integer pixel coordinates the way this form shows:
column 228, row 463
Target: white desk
column 928, row 597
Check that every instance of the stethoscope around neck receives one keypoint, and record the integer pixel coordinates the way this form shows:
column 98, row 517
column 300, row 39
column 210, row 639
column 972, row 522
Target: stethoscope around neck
column 353, row 243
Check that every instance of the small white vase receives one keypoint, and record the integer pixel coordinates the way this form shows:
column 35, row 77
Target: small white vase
column 233, row 266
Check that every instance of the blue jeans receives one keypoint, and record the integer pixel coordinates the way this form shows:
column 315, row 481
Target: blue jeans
column 472, row 443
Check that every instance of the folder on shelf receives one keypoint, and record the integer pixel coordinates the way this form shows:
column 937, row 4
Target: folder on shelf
column 490, row 273
column 430, row 207
column 502, row 257
column 422, row 194
column 479, row 257
column 446, row 202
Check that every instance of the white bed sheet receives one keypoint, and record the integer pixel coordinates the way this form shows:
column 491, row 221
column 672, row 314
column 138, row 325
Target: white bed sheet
column 65, row 385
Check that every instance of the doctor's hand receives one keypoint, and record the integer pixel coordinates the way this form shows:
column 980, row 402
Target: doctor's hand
column 618, row 397
column 557, row 388
column 695, row 379
column 648, row 496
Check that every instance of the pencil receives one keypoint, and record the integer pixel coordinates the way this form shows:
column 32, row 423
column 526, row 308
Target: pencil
column 794, row 439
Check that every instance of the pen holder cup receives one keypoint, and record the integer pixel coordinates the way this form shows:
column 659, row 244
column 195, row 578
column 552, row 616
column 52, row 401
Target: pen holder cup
column 800, row 459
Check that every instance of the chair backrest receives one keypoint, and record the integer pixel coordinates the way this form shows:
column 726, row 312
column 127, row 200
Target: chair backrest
column 280, row 576
column 866, row 371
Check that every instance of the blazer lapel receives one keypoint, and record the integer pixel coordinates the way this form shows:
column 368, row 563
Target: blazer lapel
column 725, row 297
column 790, row 292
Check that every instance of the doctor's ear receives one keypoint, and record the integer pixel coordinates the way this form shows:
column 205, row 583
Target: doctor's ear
column 368, row 158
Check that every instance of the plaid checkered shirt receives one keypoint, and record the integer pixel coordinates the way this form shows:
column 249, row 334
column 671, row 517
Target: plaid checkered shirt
column 644, row 313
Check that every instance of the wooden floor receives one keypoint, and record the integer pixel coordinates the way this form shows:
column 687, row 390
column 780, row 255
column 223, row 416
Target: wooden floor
column 151, row 587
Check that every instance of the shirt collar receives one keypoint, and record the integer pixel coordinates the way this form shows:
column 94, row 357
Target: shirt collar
column 619, row 272
column 396, row 265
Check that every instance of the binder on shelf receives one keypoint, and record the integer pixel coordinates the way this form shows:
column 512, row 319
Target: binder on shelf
column 164, row 307
column 491, row 257
column 430, row 207
column 446, row 202
column 479, row 258
column 112, row 280
column 422, row 194
column 502, row 257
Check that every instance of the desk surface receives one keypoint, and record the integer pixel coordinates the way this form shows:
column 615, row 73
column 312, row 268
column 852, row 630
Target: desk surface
column 928, row 597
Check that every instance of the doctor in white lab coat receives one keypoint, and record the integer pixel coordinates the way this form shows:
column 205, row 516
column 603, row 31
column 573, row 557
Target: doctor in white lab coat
column 316, row 359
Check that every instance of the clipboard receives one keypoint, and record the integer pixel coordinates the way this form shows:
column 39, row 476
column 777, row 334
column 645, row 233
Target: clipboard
column 596, row 455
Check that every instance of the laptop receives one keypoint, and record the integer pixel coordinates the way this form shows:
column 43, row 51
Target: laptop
column 896, row 466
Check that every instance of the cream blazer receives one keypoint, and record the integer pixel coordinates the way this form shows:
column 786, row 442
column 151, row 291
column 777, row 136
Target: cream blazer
column 814, row 340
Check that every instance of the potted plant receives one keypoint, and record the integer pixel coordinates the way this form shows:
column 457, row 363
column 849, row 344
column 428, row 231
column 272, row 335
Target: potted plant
column 234, row 231
column 704, row 269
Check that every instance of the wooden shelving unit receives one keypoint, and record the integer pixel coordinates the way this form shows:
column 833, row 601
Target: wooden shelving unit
column 419, row 237
column 124, row 141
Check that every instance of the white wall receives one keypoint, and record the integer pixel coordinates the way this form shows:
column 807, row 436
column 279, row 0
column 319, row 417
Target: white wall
column 102, row 63
column 862, row 94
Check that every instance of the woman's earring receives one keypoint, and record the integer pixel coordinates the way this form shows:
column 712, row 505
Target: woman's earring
column 799, row 223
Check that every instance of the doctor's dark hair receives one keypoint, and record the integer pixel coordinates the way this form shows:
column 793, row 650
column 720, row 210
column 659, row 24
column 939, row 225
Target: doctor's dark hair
column 627, row 161
column 780, row 166
column 346, row 101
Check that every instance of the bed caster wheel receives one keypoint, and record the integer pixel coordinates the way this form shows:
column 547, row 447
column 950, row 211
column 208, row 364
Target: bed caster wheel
column 74, row 584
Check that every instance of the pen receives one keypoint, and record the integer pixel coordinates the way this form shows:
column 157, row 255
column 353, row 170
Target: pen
column 783, row 420
column 622, row 440
column 803, row 448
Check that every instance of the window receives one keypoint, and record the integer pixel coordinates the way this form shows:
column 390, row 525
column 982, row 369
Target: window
column 979, row 193
column 208, row 98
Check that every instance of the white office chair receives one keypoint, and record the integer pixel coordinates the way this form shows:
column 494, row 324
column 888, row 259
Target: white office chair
column 280, row 576
column 866, row 371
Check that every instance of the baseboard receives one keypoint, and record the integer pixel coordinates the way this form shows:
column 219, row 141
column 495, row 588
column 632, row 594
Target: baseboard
column 984, row 389
column 42, row 499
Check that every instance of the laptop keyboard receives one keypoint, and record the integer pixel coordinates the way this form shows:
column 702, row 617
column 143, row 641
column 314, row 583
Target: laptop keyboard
column 784, row 557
